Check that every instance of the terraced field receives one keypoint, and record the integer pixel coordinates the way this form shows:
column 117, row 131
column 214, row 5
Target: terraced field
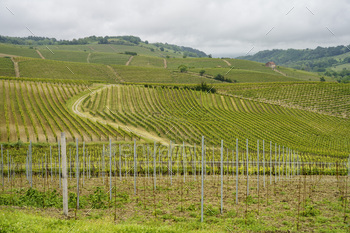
column 37, row 111
column 326, row 98
column 182, row 114
column 6, row 67
column 38, row 68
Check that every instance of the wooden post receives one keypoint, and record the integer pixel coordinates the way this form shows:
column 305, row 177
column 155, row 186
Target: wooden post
column 64, row 174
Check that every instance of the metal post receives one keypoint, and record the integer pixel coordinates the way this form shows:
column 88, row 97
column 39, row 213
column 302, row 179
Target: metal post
column 264, row 160
column 135, row 167
column 222, row 173
column 77, row 171
column 59, row 163
column 110, row 169
column 202, row 187
column 64, row 174
column 247, row 168
column 154, row 166
column 258, row 162
column 237, row 170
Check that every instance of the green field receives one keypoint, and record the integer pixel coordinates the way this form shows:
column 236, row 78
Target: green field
column 157, row 75
column 6, row 67
column 180, row 114
column 109, row 58
column 50, row 69
column 61, row 55
column 147, row 61
column 324, row 98
column 17, row 50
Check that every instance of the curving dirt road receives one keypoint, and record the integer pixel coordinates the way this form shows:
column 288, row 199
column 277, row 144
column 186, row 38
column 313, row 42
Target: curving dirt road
column 143, row 133
column 227, row 62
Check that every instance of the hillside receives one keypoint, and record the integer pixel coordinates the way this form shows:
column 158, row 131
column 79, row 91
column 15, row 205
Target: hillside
column 182, row 114
column 109, row 64
column 92, row 91
column 316, row 60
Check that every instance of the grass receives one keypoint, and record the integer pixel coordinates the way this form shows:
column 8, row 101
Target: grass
column 141, row 49
column 178, row 207
column 341, row 67
column 245, row 76
column 157, row 75
column 109, row 58
column 18, row 50
column 61, row 55
column 325, row 98
column 174, row 63
column 6, row 67
column 58, row 70
column 147, row 61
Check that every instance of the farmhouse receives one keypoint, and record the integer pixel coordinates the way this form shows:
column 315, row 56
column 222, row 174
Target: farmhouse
column 271, row 64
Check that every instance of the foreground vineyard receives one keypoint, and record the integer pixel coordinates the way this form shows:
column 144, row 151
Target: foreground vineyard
column 182, row 114
column 267, row 188
column 37, row 111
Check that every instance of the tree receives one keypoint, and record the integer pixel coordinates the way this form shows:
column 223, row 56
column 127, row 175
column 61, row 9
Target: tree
column 322, row 79
column 201, row 72
column 209, row 56
column 161, row 49
column 182, row 68
column 146, row 42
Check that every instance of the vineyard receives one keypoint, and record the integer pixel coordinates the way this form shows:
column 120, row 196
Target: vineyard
column 183, row 114
column 37, row 111
column 325, row 98
column 151, row 147
column 238, row 188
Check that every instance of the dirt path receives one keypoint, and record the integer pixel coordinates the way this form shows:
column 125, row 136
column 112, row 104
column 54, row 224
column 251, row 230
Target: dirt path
column 15, row 65
column 6, row 55
column 279, row 72
column 128, row 62
column 88, row 58
column 143, row 133
column 117, row 77
column 228, row 63
column 42, row 57
column 165, row 64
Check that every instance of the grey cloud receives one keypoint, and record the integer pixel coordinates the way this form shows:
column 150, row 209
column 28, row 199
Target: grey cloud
column 217, row 27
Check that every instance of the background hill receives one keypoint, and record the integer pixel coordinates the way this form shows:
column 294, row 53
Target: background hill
column 332, row 61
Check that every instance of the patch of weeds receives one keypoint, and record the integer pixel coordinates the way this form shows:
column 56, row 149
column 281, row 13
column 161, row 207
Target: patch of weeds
column 321, row 219
column 99, row 199
column 192, row 207
column 72, row 201
column 211, row 211
column 250, row 200
column 310, row 210
column 231, row 214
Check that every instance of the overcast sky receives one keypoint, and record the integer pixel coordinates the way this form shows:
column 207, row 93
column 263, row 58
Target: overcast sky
column 221, row 27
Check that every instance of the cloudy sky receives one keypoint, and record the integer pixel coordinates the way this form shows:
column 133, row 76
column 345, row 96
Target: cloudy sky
column 218, row 27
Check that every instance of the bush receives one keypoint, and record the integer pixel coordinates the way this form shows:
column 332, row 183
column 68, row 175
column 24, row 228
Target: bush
column 183, row 68
column 201, row 72
column 220, row 77
column 130, row 53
